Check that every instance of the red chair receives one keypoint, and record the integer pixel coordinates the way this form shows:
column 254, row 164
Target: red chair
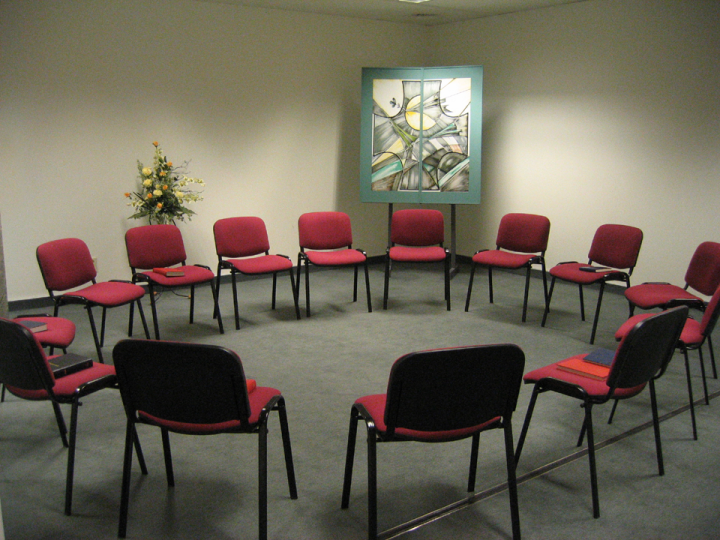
column 26, row 373
column 60, row 332
column 194, row 390
column 326, row 241
column 152, row 247
column 417, row 236
column 615, row 248
column 692, row 338
column 243, row 247
column 439, row 396
column 521, row 243
column 703, row 276
column 67, row 264
column 642, row 357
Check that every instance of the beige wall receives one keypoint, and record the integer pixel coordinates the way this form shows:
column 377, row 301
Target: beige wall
column 601, row 111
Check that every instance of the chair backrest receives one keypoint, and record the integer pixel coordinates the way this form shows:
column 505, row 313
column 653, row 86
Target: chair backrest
column 417, row 227
column 703, row 273
column 184, row 383
column 646, row 350
column 23, row 364
column 452, row 389
column 524, row 233
column 240, row 237
column 712, row 312
column 325, row 230
column 617, row 246
column 65, row 264
column 154, row 246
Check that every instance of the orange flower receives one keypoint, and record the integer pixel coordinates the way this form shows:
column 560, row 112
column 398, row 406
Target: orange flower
column 169, row 163
column 127, row 195
column 149, row 195
column 162, row 173
column 159, row 205
column 155, row 144
column 165, row 186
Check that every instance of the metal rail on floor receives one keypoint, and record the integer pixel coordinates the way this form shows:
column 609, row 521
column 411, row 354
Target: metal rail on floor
column 445, row 511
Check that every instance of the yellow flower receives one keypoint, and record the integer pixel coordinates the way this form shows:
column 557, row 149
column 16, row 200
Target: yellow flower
column 147, row 171
column 147, row 183
column 157, row 193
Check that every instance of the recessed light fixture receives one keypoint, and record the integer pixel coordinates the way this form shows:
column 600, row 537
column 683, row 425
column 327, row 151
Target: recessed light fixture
column 414, row 1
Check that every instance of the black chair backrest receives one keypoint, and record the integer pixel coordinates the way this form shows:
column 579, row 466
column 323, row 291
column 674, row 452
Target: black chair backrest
column 646, row 350
column 23, row 363
column 450, row 389
column 181, row 382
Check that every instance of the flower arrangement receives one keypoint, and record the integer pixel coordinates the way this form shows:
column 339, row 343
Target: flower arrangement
column 163, row 191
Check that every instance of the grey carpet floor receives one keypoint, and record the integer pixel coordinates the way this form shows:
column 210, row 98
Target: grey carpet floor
column 322, row 364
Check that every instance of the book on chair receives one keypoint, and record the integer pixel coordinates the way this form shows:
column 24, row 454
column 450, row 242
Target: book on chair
column 67, row 364
column 601, row 357
column 33, row 326
column 579, row 366
column 169, row 272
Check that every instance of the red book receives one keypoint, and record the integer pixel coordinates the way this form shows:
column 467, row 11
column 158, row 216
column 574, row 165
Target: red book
column 578, row 366
column 251, row 385
column 169, row 272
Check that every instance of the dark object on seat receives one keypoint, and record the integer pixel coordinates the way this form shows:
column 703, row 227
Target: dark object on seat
column 615, row 247
column 437, row 396
column 60, row 332
column 161, row 246
column 194, row 390
column 417, row 236
column 326, row 240
column 642, row 357
column 521, row 243
column 243, row 247
column 26, row 373
column 692, row 337
column 67, row 264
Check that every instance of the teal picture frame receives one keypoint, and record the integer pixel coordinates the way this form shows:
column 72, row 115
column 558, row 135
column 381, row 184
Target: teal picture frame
column 421, row 135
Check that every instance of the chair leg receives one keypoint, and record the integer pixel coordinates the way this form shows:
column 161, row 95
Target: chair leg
column 690, row 393
column 102, row 327
column 287, row 449
column 591, row 458
column 294, row 293
column 71, row 457
column 582, row 303
column 372, row 483
column 139, row 452
column 142, row 319
column 130, row 436
column 349, row 459
column 712, row 356
column 60, row 422
column 233, row 279
column 526, row 423
column 656, row 428
column 547, row 302
column 512, row 481
column 307, row 288
column 274, row 289
column 367, row 287
column 192, row 304
column 473, row 462
column 98, row 346
column 387, row 281
column 597, row 312
column 704, row 378
column 355, row 282
column 490, row 285
column 168, row 457
column 216, row 308
column 262, row 479
column 612, row 412
column 527, row 292
column 470, row 285
column 545, row 286
column 153, row 307
column 447, row 281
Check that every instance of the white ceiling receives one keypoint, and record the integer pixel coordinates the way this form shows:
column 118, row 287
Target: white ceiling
column 430, row 13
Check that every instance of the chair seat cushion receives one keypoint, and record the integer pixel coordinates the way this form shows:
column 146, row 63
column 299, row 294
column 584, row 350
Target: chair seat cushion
column 690, row 336
column 653, row 295
column 593, row 387
column 342, row 257
column 375, row 405
column 265, row 264
column 417, row 254
column 502, row 259
column 65, row 387
column 572, row 272
column 193, row 275
column 258, row 398
column 109, row 293
column 60, row 332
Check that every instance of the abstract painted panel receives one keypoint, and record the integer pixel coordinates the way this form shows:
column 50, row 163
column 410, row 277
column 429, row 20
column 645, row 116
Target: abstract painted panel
column 421, row 131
